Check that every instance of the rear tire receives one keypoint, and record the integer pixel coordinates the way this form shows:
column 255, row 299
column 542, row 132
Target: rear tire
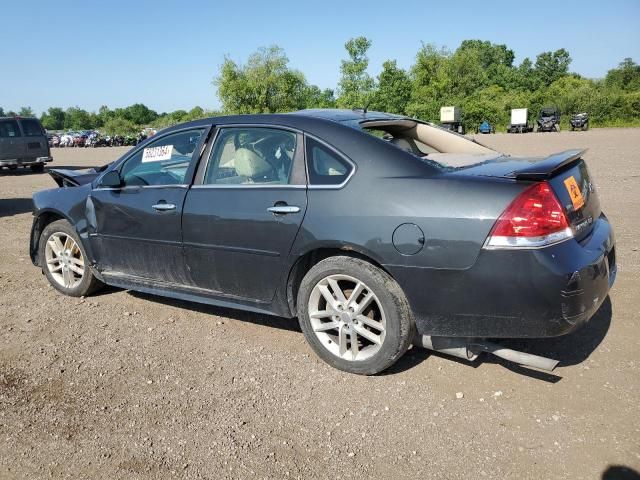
column 64, row 260
column 354, row 315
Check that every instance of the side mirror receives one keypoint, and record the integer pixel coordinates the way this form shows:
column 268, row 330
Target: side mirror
column 111, row 180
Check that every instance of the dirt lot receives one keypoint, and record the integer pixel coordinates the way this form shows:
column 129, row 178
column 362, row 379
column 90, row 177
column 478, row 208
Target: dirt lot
column 124, row 385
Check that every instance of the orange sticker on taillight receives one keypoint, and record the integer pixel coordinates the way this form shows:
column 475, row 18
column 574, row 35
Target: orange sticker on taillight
column 574, row 192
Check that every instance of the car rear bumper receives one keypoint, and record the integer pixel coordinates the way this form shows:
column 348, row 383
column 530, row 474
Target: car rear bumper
column 24, row 162
column 542, row 292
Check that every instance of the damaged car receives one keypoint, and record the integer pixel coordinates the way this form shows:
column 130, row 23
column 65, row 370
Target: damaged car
column 376, row 231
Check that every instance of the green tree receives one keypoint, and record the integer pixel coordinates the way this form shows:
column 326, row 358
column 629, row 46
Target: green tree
column 317, row 98
column 355, row 85
column 53, row 119
column 120, row 126
column 431, row 83
column 264, row 85
column 625, row 77
column 393, row 91
column 138, row 113
column 26, row 112
column 2, row 112
column 75, row 118
column 550, row 66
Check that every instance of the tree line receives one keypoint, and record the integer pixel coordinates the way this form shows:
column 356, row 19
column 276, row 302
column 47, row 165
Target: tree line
column 479, row 76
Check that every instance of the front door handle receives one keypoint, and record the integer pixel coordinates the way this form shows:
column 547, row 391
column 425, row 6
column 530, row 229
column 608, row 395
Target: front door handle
column 163, row 207
column 283, row 209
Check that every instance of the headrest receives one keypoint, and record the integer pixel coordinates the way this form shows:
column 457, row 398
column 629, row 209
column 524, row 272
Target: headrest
column 249, row 164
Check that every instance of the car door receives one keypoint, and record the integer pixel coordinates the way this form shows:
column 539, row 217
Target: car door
column 137, row 225
column 11, row 142
column 244, row 211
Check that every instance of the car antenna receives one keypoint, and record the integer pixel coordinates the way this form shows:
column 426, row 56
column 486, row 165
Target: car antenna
column 364, row 110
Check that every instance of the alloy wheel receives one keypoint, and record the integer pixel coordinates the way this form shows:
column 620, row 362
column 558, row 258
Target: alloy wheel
column 347, row 317
column 64, row 260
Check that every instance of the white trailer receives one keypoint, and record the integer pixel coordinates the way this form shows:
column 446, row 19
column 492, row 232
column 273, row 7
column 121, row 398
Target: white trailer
column 519, row 121
column 451, row 119
column 450, row 115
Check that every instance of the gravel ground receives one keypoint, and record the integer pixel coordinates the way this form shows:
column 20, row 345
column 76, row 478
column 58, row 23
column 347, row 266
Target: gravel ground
column 124, row 385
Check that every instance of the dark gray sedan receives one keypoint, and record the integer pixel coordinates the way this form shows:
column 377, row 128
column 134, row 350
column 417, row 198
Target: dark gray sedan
column 373, row 229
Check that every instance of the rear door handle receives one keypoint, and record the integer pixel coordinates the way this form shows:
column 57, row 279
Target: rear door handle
column 164, row 207
column 283, row 209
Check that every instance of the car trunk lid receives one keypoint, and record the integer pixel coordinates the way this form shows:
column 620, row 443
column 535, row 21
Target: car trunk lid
column 566, row 172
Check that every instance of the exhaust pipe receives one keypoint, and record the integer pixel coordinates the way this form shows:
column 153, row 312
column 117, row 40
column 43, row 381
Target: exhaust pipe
column 469, row 349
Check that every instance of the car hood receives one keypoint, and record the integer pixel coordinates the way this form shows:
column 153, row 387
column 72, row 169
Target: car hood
column 75, row 178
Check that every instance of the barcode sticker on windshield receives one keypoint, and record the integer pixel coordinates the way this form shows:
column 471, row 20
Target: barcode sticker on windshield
column 157, row 154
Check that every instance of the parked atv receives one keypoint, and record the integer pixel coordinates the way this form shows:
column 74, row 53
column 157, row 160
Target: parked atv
column 485, row 127
column 579, row 121
column 549, row 120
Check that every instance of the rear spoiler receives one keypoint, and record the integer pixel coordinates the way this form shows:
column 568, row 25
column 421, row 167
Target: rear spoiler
column 549, row 166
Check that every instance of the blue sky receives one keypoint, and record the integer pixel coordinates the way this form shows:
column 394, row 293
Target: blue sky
column 165, row 54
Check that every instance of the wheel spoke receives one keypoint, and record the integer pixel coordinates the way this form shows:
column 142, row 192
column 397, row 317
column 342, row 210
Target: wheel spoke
column 322, row 313
column 56, row 268
column 342, row 340
column 372, row 337
column 324, row 290
column 337, row 291
column 357, row 291
column 364, row 303
column 68, row 243
column 76, row 269
column 323, row 327
column 354, row 345
column 53, row 260
column 67, row 276
column 77, row 261
column 56, row 245
column 371, row 322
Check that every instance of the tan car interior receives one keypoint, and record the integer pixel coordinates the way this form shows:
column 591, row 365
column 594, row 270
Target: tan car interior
column 429, row 141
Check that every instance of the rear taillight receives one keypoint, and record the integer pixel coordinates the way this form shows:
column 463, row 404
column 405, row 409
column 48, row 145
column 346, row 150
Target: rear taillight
column 534, row 219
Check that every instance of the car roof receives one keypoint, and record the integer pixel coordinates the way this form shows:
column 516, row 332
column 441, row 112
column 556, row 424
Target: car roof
column 303, row 119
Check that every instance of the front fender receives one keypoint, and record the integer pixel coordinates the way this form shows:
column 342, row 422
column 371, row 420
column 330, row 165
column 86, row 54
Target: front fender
column 70, row 204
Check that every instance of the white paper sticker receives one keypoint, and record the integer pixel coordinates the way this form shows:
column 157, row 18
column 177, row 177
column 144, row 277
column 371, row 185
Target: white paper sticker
column 157, row 154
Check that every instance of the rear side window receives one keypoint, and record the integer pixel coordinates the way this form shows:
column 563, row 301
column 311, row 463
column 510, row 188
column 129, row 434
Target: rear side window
column 325, row 166
column 9, row 129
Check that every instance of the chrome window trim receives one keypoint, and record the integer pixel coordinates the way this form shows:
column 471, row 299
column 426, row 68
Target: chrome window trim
column 141, row 187
column 338, row 153
column 209, row 150
column 247, row 185
column 118, row 163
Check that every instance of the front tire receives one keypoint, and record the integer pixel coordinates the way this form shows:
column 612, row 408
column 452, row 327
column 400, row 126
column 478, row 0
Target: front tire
column 64, row 260
column 354, row 315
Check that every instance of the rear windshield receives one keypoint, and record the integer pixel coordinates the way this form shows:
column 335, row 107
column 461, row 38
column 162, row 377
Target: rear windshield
column 9, row 129
column 31, row 127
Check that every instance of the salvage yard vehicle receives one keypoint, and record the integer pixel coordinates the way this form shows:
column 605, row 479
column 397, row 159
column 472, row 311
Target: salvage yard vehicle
column 579, row 121
column 485, row 127
column 549, row 120
column 23, row 143
column 519, row 121
column 375, row 230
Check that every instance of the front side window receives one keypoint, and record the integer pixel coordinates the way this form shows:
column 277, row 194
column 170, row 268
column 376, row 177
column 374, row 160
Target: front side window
column 31, row 127
column 325, row 166
column 248, row 156
column 163, row 162
column 9, row 129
